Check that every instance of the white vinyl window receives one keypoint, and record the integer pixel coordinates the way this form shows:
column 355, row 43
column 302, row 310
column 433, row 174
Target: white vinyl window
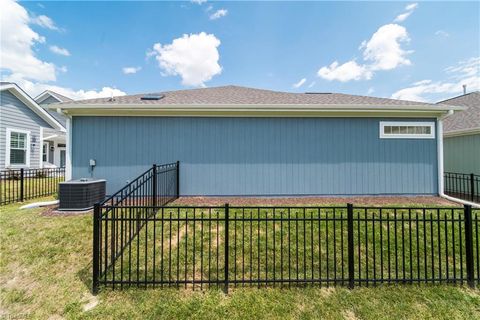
column 407, row 130
column 45, row 152
column 18, row 148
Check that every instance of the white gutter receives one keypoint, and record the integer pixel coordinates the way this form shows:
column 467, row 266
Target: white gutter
column 441, row 184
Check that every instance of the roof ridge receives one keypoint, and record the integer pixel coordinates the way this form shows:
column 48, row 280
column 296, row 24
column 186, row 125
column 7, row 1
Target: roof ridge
column 459, row 96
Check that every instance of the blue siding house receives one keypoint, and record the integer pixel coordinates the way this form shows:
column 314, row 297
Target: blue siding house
column 241, row 141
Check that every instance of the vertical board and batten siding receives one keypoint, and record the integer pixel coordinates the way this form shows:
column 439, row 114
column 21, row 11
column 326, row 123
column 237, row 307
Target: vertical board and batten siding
column 16, row 115
column 462, row 154
column 257, row 156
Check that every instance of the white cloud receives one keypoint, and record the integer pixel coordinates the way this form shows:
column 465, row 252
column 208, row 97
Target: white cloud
column 131, row 70
column 17, row 55
column 299, row 83
column 218, row 14
column 382, row 52
column 348, row 71
column 44, row 22
column 370, row 91
column 193, row 57
column 384, row 48
column 411, row 6
column 409, row 10
column 19, row 63
column 402, row 17
column 198, row 1
column 60, row 51
column 35, row 88
column 465, row 72
column 442, row 33
column 311, row 84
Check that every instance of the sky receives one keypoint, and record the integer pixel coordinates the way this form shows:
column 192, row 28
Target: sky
column 422, row 51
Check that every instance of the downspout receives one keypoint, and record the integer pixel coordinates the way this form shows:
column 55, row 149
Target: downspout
column 68, row 151
column 441, row 184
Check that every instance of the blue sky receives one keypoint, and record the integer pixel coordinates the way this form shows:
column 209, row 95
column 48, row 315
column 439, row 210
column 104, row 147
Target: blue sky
column 420, row 51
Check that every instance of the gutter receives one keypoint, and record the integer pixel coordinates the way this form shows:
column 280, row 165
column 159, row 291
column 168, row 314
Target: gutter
column 441, row 184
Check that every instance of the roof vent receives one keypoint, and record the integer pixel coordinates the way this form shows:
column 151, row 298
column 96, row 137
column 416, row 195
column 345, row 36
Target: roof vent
column 318, row 93
column 152, row 97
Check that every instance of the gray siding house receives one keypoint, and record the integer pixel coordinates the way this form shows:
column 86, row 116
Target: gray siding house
column 24, row 129
column 241, row 141
column 56, row 140
column 462, row 135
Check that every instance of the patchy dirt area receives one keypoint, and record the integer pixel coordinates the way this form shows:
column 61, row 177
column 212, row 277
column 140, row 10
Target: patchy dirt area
column 359, row 201
column 52, row 211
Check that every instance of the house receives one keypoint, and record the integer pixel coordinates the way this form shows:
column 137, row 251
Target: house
column 242, row 141
column 56, row 144
column 462, row 135
column 26, row 130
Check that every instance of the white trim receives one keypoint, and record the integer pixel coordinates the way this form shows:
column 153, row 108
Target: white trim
column 45, row 143
column 440, row 160
column 7, row 149
column 68, row 155
column 462, row 132
column 29, row 102
column 40, row 152
column 40, row 98
column 384, row 124
column 256, row 110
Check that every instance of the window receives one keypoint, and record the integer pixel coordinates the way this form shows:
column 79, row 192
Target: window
column 407, row 130
column 18, row 143
column 45, row 152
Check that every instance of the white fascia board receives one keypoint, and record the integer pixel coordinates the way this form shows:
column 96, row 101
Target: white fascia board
column 257, row 110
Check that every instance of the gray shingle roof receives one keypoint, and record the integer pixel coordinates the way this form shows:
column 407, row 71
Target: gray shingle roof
column 236, row 95
column 467, row 119
column 55, row 95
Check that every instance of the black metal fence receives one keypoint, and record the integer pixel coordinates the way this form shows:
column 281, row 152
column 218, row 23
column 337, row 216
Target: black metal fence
column 463, row 186
column 23, row 184
column 226, row 246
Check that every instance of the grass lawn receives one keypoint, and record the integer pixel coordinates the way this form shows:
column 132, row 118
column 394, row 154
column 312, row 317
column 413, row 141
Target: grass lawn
column 32, row 188
column 45, row 271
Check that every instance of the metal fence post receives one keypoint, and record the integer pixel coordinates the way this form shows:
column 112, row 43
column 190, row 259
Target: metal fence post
column 472, row 187
column 226, row 247
column 96, row 248
column 351, row 265
column 469, row 244
column 178, row 179
column 22, row 179
column 154, row 185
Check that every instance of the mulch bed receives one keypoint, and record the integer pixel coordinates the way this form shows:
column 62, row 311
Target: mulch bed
column 52, row 211
column 280, row 201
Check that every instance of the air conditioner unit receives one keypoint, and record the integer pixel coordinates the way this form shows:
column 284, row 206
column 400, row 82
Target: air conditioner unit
column 80, row 194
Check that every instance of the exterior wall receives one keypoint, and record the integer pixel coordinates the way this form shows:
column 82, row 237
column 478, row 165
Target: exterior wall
column 257, row 156
column 462, row 154
column 49, row 100
column 15, row 114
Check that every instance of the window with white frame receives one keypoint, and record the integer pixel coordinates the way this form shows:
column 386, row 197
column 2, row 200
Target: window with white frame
column 18, row 147
column 45, row 152
column 407, row 130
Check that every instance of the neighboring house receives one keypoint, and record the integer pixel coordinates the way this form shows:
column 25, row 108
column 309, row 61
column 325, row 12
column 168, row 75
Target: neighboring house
column 56, row 143
column 25, row 128
column 241, row 141
column 462, row 135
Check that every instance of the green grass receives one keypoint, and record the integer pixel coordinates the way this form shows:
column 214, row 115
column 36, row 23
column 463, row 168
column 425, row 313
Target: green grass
column 45, row 271
column 33, row 187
